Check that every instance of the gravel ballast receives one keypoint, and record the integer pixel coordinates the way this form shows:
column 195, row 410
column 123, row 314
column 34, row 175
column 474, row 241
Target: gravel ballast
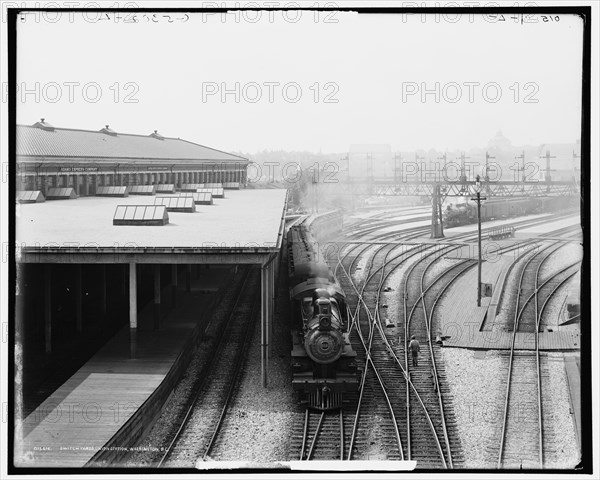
column 477, row 384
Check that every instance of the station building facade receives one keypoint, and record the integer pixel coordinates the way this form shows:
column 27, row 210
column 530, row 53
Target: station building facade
column 84, row 160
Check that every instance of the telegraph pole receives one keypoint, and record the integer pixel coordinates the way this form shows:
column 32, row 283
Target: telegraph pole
column 522, row 169
column 443, row 157
column 347, row 159
column 369, row 166
column 397, row 168
column 315, row 183
column 417, row 158
column 463, row 174
column 435, row 209
column 547, row 177
column 486, row 176
column 441, row 198
column 478, row 198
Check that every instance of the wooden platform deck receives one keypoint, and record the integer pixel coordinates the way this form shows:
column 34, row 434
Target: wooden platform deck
column 81, row 416
column 497, row 340
column 460, row 320
column 458, row 310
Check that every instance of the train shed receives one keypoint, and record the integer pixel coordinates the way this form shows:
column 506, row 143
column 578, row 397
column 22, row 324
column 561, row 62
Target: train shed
column 108, row 256
column 245, row 228
column 52, row 159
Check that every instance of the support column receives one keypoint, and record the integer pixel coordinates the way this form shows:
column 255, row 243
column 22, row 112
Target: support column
column 188, row 278
column 271, row 307
column 264, row 323
column 156, row 297
column 132, row 310
column 103, row 288
column 174, row 285
column 435, row 214
column 48, row 308
column 273, row 280
column 78, row 299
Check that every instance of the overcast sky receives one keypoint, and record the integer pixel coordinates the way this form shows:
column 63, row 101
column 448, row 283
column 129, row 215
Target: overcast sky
column 356, row 81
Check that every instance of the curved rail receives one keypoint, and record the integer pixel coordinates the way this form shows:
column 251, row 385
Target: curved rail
column 404, row 372
column 518, row 313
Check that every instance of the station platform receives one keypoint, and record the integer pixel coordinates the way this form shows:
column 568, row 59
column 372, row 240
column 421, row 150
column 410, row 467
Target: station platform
column 461, row 322
column 113, row 399
column 549, row 228
column 496, row 340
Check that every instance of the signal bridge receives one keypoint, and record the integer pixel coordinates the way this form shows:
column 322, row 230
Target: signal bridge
column 437, row 191
column 383, row 186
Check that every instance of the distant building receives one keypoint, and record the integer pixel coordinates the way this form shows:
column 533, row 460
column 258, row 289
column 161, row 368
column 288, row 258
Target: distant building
column 84, row 160
column 499, row 142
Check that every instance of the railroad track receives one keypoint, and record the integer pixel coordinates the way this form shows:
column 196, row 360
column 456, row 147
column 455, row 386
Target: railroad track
column 322, row 435
column 198, row 430
column 522, row 443
column 427, row 438
column 322, row 438
column 552, row 292
column 377, row 397
column 523, row 414
column 386, row 375
column 429, row 376
column 417, row 232
column 535, row 293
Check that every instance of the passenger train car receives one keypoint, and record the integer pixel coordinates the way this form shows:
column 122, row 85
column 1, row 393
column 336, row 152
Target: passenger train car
column 323, row 361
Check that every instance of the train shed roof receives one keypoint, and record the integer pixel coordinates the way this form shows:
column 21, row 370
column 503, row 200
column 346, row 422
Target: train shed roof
column 46, row 143
column 246, row 223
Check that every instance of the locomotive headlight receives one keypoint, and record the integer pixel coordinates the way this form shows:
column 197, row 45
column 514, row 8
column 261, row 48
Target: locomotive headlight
column 325, row 323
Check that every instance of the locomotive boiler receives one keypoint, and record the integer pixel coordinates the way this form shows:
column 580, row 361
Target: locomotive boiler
column 460, row 214
column 323, row 360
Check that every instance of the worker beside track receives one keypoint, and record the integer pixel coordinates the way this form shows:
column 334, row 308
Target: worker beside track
column 414, row 349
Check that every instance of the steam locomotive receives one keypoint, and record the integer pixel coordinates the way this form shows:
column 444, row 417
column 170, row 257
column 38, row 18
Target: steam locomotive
column 497, row 208
column 323, row 361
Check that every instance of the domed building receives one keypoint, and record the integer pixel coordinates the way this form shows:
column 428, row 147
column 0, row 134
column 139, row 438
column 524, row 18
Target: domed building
column 499, row 142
